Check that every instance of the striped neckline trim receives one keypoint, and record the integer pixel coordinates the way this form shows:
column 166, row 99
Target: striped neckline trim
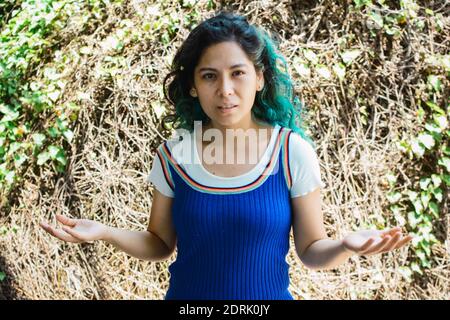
column 165, row 152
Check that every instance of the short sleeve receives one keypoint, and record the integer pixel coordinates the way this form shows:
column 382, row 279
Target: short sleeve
column 158, row 179
column 304, row 166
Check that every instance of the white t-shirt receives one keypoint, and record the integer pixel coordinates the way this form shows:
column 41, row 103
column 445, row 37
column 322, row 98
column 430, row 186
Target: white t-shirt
column 303, row 163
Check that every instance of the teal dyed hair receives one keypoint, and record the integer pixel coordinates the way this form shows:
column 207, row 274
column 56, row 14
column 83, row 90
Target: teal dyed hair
column 276, row 103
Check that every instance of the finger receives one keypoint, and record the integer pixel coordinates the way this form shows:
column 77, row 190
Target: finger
column 366, row 245
column 72, row 232
column 61, row 235
column 403, row 242
column 390, row 245
column 66, row 220
column 377, row 247
column 391, row 231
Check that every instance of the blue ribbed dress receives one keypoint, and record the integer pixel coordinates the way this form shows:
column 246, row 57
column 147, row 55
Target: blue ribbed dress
column 231, row 242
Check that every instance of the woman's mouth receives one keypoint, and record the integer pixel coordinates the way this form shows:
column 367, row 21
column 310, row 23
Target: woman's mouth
column 227, row 109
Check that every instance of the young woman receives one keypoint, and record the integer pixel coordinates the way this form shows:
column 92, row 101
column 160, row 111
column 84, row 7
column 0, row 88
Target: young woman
column 230, row 221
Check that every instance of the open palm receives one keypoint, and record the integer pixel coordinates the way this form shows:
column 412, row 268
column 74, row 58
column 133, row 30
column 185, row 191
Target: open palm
column 369, row 242
column 76, row 230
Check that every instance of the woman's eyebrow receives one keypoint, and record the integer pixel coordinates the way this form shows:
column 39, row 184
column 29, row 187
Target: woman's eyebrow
column 239, row 65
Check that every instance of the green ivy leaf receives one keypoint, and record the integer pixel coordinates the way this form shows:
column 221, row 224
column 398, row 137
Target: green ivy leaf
column 413, row 219
column 19, row 159
column 436, row 180
column 434, row 81
column 445, row 161
column 42, row 158
column 418, row 205
column 441, row 121
column 378, row 19
column 417, row 148
column 425, row 198
column 434, row 209
column 349, row 56
column 38, row 138
column 424, row 183
column 2, row 276
column 339, row 70
column 416, row 268
column 393, row 197
column 61, row 157
column 446, row 178
column 53, row 132
column 435, row 107
column 323, row 71
column 53, row 151
column 68, row 134
column 427, row 140
column 311, row 56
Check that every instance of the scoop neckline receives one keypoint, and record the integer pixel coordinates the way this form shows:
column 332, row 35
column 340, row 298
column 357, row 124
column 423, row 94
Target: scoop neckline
column 248, row 173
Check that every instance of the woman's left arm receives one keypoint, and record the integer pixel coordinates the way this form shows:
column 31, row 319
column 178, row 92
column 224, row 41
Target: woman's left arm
column 318, row 252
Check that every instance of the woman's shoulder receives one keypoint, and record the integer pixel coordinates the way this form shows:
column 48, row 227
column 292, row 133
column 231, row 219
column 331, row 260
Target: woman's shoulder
column 178, row 145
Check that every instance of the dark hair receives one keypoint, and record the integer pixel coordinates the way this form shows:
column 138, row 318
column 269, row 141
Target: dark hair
column 276, row 103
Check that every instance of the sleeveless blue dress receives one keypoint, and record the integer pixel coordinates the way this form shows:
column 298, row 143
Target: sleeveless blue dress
column 231, row 242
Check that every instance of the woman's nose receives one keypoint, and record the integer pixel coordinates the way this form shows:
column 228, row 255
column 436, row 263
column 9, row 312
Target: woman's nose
column 226, row 87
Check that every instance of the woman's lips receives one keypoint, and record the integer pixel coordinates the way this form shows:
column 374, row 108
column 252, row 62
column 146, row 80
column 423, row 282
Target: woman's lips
column 227, row 110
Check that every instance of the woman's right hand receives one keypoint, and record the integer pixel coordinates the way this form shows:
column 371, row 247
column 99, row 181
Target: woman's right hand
column 76, row 230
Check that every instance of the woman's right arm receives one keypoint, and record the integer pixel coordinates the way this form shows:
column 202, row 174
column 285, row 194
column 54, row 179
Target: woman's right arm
column 156, row 244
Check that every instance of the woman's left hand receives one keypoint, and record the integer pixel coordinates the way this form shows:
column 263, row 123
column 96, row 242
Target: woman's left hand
column 370, row 242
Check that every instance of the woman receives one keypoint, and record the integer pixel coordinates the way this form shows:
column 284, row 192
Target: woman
column 230, row 222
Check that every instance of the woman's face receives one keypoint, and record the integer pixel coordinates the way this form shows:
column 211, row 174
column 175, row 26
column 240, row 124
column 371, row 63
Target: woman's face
column 225, row 77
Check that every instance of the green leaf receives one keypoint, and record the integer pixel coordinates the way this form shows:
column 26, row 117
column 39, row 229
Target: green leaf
column 10, row 177
column 412, row 195
column 323, row 71
column 413, row 219
column 2, row 276
column 61, row 157
column 9, row 116
column 391, row 178
column 445, row 161
column 53, row 151
column 425, row 198
column 53, row 132
column 311, row 56
column 424, row 183
column 435, row 107
column 434, row 82
column 42, row 158
column 434, row 209
column 417, row 148
column 436, row 180
column 418, row 205
column 437, row 194
column 441, row 121
column 427, row 140
column 446, row 178
column 302, row 69
column 416, row 268
column 393, row 197
column 68, row 134
column 38, row 138
column 19, row 159
column 339, row 70
column 378, row 19
column 350, row 55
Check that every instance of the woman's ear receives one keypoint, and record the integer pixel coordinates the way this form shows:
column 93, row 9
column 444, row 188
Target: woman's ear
column 259, row 80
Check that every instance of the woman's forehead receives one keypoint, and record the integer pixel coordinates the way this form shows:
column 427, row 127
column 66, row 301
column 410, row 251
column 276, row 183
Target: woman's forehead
column 224, row 55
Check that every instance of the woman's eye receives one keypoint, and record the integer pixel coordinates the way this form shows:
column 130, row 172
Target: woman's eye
column 240, row 72
column 208, row 76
